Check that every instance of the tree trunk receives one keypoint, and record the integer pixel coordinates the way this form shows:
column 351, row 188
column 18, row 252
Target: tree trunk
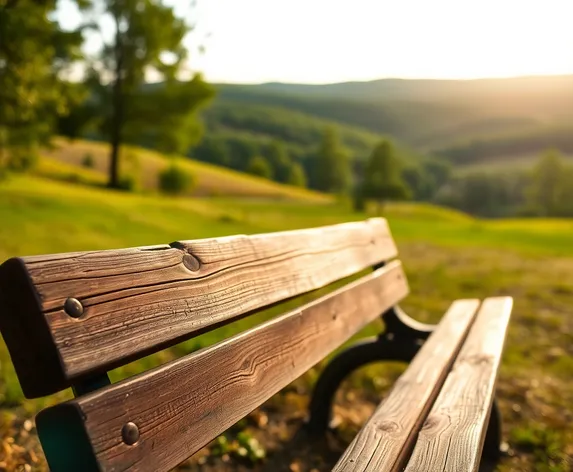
column 380, row 208
column 117, row 110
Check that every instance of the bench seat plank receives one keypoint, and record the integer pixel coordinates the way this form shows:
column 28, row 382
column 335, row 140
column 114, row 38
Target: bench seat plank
column 140, row 300
column 385, row 441
column 181, row 406
column 454, row 432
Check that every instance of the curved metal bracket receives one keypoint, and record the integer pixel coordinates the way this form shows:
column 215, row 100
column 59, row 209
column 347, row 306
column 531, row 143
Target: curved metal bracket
column 400, row 341
column 359, row 355
column 400, row 324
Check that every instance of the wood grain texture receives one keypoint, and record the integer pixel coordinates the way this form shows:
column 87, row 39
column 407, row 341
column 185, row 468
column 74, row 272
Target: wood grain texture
column 384, row 443
column 140, row 300
column 453, row 434
column 181, row 406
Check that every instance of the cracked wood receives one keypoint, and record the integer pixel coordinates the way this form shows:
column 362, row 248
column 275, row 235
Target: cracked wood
column 140, row 300
column 452, row 437
column 181, row 406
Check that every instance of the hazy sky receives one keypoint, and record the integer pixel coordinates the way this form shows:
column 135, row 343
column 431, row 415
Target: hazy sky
column 318, row 41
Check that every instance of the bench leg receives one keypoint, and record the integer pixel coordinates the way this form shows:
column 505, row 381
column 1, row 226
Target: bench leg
column 492, row 446
column 400, row 341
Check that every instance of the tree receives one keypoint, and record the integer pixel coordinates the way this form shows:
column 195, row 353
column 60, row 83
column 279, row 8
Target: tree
column 259, row 166
column 549, row 184
column 279, row 161
column 358, row 200
column 421, row 183
column 147, row 36
column 34, row 53
column 81, row 117
column 439, row 171
column 482, row 193
column 241, row 151
column 331, row 165
column 425, row 177
column 382, row 180
column 212, row 149
column 296, row 175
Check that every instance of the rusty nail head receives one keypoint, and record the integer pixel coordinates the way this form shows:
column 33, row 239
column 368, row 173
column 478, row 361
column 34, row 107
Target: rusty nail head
column 73, row 307
column 130, row 433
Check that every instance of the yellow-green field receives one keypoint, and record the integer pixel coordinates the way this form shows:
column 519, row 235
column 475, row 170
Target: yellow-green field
column 447, row 255
column 64, row 162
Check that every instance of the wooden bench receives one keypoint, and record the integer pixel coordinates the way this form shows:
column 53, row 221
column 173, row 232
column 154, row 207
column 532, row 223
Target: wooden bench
column 68, row 319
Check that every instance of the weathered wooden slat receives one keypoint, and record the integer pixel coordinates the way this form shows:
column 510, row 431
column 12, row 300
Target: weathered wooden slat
column 383, row 444
column 180, row 407
column 453, row 434
column 139, row 300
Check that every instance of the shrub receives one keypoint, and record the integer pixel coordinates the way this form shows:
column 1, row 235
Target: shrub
column 260, row 167
column 174, row 180
column 296, row 175
column 127, row 183
column 73, row 177
column 22, row 159
column 88, row 160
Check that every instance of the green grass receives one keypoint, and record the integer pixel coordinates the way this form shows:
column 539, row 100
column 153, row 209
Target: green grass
column 447, row 255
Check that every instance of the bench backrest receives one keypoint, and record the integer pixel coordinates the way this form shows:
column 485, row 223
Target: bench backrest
column 68, row 318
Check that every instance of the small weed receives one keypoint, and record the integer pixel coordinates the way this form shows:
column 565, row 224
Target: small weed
column 244, row 447
column 88, row 160
column 228, row 218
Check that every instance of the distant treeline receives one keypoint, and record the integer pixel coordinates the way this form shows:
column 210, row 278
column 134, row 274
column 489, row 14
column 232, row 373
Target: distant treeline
column 294, row 128
column 274, row 159
column 476, row 150
column 546, row 190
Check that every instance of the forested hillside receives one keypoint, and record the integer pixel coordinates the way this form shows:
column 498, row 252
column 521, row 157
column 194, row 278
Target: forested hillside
column 467, row 144
column 427, row 114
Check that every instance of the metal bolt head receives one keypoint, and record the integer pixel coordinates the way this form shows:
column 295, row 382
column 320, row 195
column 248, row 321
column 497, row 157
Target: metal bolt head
column 191, row 262
column 130, row 433
column 73, row 307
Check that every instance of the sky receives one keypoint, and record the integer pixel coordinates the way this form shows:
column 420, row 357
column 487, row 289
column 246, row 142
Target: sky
column 326, row 41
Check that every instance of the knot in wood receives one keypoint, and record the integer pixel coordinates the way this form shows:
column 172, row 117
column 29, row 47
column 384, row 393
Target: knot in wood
column 432, row 421
column 479, row 359
column 388, row 426
column 191, row 262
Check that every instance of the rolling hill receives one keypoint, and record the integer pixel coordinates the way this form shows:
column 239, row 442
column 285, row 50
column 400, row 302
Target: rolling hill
column 443, row 118
column 429, row 116
column 64, row 162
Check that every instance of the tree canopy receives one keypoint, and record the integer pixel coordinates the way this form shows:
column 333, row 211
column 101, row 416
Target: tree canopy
column 34, row 54
column 382, row 180
column 147, row 38
column 331, row 165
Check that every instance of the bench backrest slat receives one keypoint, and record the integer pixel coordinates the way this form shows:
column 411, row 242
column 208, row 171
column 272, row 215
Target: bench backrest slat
column 137, row 301
column 180, row 407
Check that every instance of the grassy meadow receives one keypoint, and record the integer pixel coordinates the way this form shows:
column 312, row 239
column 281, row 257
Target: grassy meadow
column 447, row 255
